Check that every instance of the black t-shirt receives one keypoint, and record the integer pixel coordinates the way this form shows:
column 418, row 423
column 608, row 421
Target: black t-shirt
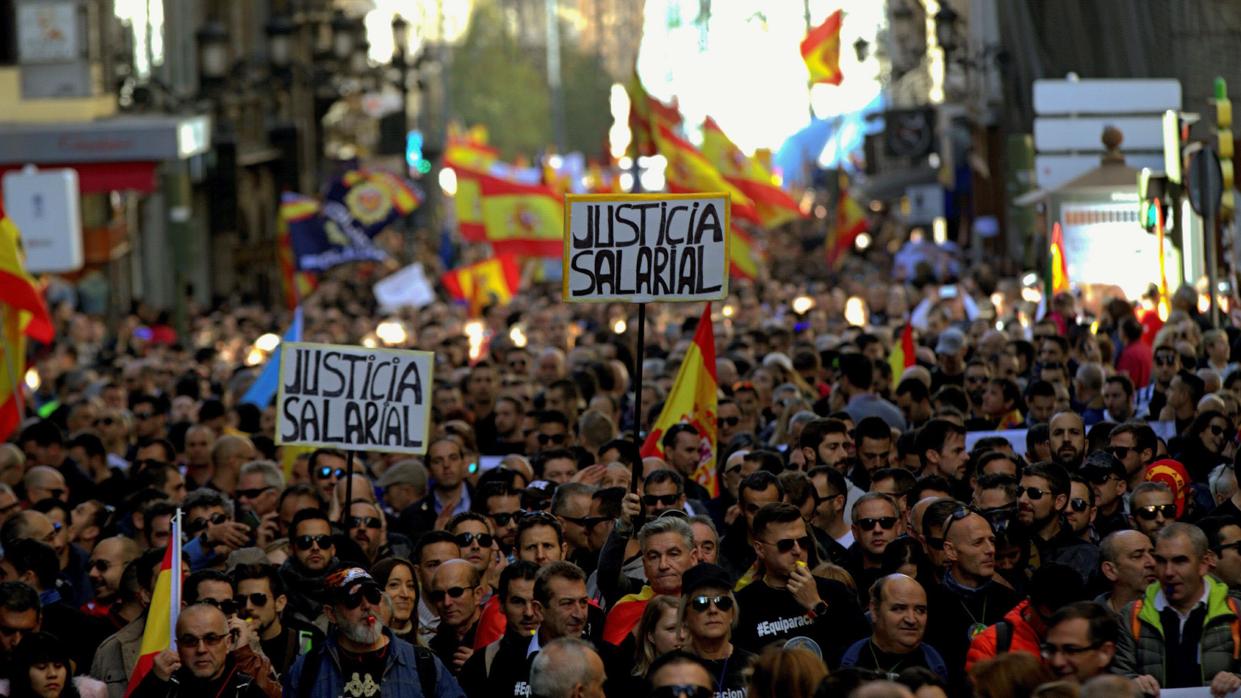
column 730, row 673
column 887, row 663
column 363, row 673
column 277, row 650
column 772, row 615
column 509, row 670
column 1227, row 509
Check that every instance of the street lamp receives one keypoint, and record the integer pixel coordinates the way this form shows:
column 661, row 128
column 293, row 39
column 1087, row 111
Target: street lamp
column 359, row 62
column 946, row 28
column 213, row 52
column 400, row 35
column 861, row 47
column 280, row 30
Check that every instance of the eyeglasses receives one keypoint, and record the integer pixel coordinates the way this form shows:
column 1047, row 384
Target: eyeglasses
column 504, row 518
column 371, row 522
column 785, row 545
column 193, row 641
column 958, row 514
column 1049, row 650
column 104, row 422
column 728, row 421
column 1236, row 547
column 665, row 499
column 681, row 691
column 1151, row 512
column 702, row 603
column 323, row 541
column 326, row 472
column 200, row 524
column 56, row 492
column 254, row 493
column 585, row 521
column 1121, row 452
column 1034, row 493
column 370, row 592
column 465, row 540
column 437, row 595
column 545, row 439
column 1165, row 360
column 1078, row 504
column 887, row 523
column 1217, row 430
column 143, row 415
column 227, row 606
column 102, row 566
column 257, row 598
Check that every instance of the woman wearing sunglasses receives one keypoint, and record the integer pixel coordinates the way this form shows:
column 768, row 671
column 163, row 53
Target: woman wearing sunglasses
column 1207, row 443
column 709, row 612
column 396, row 577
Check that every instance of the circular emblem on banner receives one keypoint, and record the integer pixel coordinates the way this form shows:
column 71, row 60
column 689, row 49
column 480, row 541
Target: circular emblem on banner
column 368, row 203
column 804, row 643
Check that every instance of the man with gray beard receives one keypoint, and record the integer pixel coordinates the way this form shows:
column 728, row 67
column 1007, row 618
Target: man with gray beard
column 362, row 658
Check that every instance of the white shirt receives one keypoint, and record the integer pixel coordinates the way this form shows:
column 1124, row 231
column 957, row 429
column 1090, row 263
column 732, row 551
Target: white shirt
column 1161, row 602
column 847, row 539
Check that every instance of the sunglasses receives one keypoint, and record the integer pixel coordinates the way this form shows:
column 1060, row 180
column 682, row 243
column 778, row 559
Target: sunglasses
column 143, row 415
column 585, row 521
column 371, row 522
column 104, row 422
column 1033, row 493
column 1217, row 430
column 370, row 592
column 56, row 492
column 437, row 595
column 682, row 691
column 786, row 545
column 665, row 499
column 465, row 540
column 324, row 542
column 326, row 472
column 1151, row 512
column 1165, row 360
column 254, row 493
column 702, row 603
column 545, row 439
column 728, row 421
column 198, row 525
column 257, row 598
column 193, row 641
column 1078, row 504
column 955, row 516
column 505, row 518
column 887, row 523
column 227, row 606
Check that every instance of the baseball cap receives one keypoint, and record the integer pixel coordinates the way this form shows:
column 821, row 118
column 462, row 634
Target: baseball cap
column 537, row 494
column 1099, row 465
column 950, row 341
column 348, row 581
column 406, row 472
column 704, row 575
column 1171, row 473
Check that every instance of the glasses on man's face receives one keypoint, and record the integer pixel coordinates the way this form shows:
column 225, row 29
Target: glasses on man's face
column 585, row 521
column 193, row 641
column 253, row 493
column 322, row 541
column 370, row 592
column 325, row 472
column 1033, row 493
column 504, row 518
column 437, row 595
column 257, row 599
column 227, row 606
column 1078, row 504
column 143, row 415
column 702, row 603
column 104, row 422
column 1150, row 512
column 466, row 539
column 557, row 439
column 56, row 492
column 371, row 522
column 100, row 566
column 200, row 524
column 955, row 516
column 1165, row 360
column 682, row 691
column 786, row 545
column 728, row 421
column 665, row 499
column 1049, row 650
column 887, row 523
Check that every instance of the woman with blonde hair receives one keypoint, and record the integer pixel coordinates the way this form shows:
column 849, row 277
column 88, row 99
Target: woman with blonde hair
column 786, row 673
column 659, row 631
column 1010, row 675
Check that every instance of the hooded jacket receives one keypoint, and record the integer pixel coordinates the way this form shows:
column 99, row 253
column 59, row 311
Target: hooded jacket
column 1025, row 637
column 1141, row 649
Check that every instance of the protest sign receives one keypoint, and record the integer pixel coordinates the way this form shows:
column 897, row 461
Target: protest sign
column 639, row 248
column 354, row 398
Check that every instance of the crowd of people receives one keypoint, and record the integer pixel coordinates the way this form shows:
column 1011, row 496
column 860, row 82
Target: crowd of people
column 1043, row 508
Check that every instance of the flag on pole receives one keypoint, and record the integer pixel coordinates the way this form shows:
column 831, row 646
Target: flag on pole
column 646, row 115
column 744, row 257
column 693, row 400
column 755, row 180
column 1057, row 268
column 850, row 222
column 624, row 616
column 689, row 172
column 22, row 314
column 161, row 625
column 490, row 281
column 522, row 219
column 821, row 50
column 903, row 355
column 263, row 389
column 295, row 284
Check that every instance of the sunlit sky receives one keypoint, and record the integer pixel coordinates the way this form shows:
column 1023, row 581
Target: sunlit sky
column 750, row 76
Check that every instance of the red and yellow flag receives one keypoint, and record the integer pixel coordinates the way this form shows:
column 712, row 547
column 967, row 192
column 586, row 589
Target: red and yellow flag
column 469, row 149
column 468, row 203
column 850, row 222
column 625, row 615
column 689, row 172
column 162, row 614
column 522, row 219
column 646, row 114
column 744, row 257
column 693, row 400
column 1059, row 267
column 903, row 355
column 488, row 282
column 751, row 177
column 295, row 285
column 821, row 50
column 22, row 314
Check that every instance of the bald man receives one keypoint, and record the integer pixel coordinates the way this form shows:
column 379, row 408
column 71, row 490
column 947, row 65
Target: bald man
column 44, row 482
column 457, row 597
column 107, row 564
column 898, row 607
column 228, row 454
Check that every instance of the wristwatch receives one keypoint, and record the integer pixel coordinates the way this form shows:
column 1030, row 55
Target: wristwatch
column 623, row 529
column 819, row 610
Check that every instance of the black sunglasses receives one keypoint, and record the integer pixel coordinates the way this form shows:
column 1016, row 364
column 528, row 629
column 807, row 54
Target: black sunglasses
column 545, row 439
column 104, row 421
column 1078, row 504
column 585, row 521
column 682, row 691
column 887, row 523
column 728, row 421
column 369, row 592
column 1151, row 512
column 372, row 522
column 227, row 606
column 957, row 514
column 1217, row 430
column 1119, row 451
column 200, row 524
column 1165, row 360
column 702, row 603
column 437, row 595
column 101, row 565
column 257, row 598
column 464, row 540
column 324, row 541
column 1034, row 493
column 505, row 517
column 665, row 499
column 253, row 493
column 785, row 545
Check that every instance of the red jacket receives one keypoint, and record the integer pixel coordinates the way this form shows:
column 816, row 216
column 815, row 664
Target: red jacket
column 1027, row 634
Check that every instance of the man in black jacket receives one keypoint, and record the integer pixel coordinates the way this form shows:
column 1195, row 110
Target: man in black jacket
column 314, row 556
column 501, row 668
column 202, row 664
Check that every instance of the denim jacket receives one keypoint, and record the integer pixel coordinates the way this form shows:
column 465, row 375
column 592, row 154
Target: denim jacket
column 400, row 675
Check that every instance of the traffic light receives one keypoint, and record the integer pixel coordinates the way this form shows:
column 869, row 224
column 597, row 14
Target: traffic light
column 1224, row 147
column 414, row 157
column 1152, row 187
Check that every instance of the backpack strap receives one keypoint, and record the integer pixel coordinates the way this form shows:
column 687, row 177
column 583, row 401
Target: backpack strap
column 1003, row 636
column 1235, row 626
column 489, row 656
column 1135, row 625
column 428, row 676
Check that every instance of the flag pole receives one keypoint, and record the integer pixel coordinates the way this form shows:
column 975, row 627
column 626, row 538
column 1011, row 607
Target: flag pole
column 344, row 510
column 174, row 580
column 637, row 393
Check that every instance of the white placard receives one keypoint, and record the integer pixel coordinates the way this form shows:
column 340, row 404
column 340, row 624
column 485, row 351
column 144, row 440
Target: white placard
column 408, row 287
column 640, row 248
column 44, row 205
column 354, row 398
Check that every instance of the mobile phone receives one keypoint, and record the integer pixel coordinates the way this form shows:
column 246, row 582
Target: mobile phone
column 949, row 291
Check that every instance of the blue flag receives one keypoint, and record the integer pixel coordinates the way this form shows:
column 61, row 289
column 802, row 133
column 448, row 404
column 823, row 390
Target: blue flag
column 264, row 387
column 324, row 238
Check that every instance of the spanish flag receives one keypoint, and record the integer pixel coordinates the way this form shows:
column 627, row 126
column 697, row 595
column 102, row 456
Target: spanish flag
column 903, row 355
column 624, row 616
column 602, row 180
column 469, row 149
column 468, row 204
column 491, row 281
column 775, row 206
column 295, row 284
column 1058, row 266
column 689, row 172
column 161, row 624
column 646, row 114
column 744, row 257
column 693, row 400
column 522, row 219
column 22, row 314
column 850, row 222
column 821, row 50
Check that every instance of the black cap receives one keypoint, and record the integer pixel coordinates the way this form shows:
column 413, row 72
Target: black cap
column 537, row 494
column 1099, row 465
column 704, row 575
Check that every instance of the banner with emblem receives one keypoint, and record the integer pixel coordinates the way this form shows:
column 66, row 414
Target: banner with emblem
column 370, row 199
column 322, row 238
